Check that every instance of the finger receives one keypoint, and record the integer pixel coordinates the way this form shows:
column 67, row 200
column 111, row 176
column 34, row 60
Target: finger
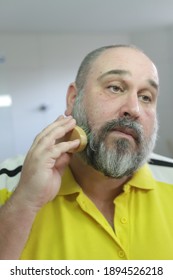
column 56, row 151
column 54, row 127
column 61, row 120
column 62, row 162
column 55, row 136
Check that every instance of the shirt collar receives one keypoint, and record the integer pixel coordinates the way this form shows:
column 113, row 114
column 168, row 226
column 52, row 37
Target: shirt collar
column 142, row 179
column 69, row 184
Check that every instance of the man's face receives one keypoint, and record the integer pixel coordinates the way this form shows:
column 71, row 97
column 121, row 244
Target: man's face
column 118, row 111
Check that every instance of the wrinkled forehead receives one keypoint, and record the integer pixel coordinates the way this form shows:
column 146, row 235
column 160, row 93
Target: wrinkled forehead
column 125, row 58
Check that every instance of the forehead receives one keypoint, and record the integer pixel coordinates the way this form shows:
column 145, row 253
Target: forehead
column 129, row 59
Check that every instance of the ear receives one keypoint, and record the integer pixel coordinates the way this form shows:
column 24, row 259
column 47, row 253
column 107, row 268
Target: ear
column 70, row 98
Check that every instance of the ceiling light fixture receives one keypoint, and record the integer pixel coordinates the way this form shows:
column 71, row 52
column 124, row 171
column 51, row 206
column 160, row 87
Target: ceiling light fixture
column 5, row 100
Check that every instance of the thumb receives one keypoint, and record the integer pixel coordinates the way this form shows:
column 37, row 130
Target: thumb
column 62, row 162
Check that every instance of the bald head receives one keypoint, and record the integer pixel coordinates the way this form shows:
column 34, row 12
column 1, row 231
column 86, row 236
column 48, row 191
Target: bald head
column 91, row 57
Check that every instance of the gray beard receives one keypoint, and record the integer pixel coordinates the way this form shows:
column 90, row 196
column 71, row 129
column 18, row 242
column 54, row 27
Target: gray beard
column 122, row 158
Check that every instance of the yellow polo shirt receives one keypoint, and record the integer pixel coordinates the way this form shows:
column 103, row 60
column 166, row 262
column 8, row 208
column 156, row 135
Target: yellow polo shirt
column 71, row 227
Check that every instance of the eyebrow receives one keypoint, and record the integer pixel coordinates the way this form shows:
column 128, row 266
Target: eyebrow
column 153, row 84
column 114, row 72
column 121, row 72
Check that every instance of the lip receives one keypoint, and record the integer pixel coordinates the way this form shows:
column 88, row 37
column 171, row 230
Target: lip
column 126, row 132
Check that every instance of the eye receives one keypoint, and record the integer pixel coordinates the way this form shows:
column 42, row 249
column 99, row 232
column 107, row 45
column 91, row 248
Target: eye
column 115, row 88
column 145, row 98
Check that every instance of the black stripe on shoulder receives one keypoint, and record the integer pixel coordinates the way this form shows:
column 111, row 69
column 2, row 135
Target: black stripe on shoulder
column 160, row 162
column 11, row 173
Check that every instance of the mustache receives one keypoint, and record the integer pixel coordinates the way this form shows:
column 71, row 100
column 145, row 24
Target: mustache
column 125, row 125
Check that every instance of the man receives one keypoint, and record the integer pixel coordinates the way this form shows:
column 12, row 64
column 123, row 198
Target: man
column 102, row 203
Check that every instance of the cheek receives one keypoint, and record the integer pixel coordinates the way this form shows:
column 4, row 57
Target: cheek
column 97, row 113
column 96, row 117
column 100, row 109
column 149, row 123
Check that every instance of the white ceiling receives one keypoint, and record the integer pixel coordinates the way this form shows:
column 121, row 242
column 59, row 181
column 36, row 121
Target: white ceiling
column 83, row 15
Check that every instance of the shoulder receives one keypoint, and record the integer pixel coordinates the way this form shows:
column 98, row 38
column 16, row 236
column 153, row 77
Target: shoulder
column 162, row 168
column 10, row 171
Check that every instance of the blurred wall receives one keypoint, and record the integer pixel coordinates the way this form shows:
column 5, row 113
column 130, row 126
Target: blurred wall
column 158, row 44
column 37, row 68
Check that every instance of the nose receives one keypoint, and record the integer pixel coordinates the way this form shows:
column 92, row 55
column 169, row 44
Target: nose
column 130, row 107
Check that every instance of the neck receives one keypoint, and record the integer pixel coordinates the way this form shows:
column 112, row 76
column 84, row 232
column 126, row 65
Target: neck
column 102, row 190
column 95, row 183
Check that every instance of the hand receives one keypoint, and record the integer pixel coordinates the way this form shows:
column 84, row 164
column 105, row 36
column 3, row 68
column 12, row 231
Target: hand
column 45, row 162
